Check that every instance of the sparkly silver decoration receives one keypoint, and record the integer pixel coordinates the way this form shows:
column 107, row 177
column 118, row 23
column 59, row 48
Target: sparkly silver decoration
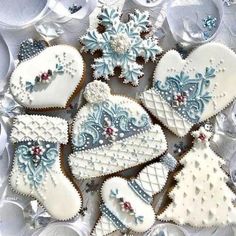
column 74, row 8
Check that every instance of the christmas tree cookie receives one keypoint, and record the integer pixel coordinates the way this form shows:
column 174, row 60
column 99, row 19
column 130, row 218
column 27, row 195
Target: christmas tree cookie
column 201, row 197
column 37, row 170
column 127, row 204
column 186, row 92
column 46, row 77
column 121, row 44
column 112, row 133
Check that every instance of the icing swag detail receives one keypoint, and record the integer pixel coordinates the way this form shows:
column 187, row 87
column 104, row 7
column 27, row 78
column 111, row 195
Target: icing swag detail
column 188, row 96
column 108, row 122
column 35, row 159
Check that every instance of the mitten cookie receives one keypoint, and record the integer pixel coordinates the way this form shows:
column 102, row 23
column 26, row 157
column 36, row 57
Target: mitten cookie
column 36, row 170
column 201, row 197
column 112, row 133
column 47, row 77
column 186, row 92
column 127, row 204
column 121, row 44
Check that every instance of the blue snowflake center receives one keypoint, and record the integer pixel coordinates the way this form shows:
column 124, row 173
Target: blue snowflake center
column 120, row 43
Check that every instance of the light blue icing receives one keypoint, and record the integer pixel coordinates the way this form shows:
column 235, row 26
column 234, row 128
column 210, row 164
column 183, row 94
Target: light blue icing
column 147, row 48
column 105, row 210
column 91, row 133
column 35, row 168
column 196, row 89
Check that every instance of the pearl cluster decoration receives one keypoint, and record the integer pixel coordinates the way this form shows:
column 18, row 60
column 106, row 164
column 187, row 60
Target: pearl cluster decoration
column 120, row 43
column 96, row 91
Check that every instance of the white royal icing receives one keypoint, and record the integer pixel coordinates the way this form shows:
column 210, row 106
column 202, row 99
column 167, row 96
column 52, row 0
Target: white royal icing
column 201, row 197
column 186, row 92
column 66, row 65
column 112, row 131
column 39, row 128
column 36, row 169
column 140, row 207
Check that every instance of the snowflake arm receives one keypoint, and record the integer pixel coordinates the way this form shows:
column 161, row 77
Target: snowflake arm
column 108, row 17
column 103, row 68
column 92, row 41
column 131, row 73
column 140, row 20
column 150, row 49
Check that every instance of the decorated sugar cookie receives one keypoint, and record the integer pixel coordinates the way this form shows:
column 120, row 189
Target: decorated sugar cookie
column 112, row 133
column 121, row 44
column 186, row 92
column 127, row 204
column 36, row 169
column 201, row 197
column 46, row 77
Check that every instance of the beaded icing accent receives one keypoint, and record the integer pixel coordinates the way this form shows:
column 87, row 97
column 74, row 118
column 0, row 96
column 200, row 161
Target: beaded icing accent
column 140, row 191
column 188, row 96
column 113, row 218
column 121, row 44
column 108, row 122
column 126, row 206
column 30, row 48
column 35, row 159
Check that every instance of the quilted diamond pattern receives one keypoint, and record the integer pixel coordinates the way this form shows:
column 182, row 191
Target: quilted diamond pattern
column 103, row 227
column 39, row 128
column 153, row 178
column 163, row 111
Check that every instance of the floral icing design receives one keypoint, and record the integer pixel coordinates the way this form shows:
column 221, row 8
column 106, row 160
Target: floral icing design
column 121, row 44
column 186, row 95
column 108, row 122
column 35, row 159
column 126, row 206
column 45, row 77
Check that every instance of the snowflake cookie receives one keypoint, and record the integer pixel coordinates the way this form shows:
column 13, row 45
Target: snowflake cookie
column 37, row 170
column 47, row 77
column 112, row 133
column 121, row 44
column 201, row 197
column 127, row 204
column 186, row 92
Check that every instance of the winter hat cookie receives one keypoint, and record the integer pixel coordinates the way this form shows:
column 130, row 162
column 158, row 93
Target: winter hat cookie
column 186, row 92
column 112, row 133
column 201, row 197
column 121, row 44
column 127, row 204
column 47, row 77
column 36, row 170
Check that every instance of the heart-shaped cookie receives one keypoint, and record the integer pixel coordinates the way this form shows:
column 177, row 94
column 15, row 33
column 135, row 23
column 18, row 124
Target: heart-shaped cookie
column 186, row 92
column 112, row 133
column 49, row 79
column 127, row 204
